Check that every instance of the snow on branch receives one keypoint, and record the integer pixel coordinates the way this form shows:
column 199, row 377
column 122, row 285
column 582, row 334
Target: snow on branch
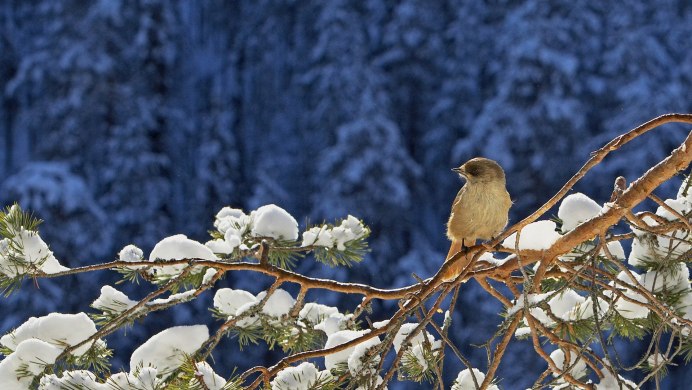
column 567, row 284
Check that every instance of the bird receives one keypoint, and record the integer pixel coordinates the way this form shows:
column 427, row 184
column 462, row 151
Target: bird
column 480, row 209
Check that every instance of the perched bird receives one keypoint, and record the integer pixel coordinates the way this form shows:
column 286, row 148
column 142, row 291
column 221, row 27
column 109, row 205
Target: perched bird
column 480, row 209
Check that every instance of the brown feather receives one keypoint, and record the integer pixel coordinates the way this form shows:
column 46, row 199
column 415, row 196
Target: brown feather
column 480, row 209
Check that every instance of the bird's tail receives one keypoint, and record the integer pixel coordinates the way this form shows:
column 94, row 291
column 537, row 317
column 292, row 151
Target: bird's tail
column 454, row 271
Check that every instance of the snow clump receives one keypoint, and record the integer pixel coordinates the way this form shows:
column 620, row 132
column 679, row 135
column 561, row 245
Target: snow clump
column 31, row 251
column 578, row 367
column 166, row 350
column 302, row 377
column 575, row 209
column 58, row 329
column 38, row 342
column 236, row 302
column 357, row 363
column 538, row 235
column 465, row 381
column 112, row 300
column 31, row 356
column 131, row 253
column 338, row 338
column 417, row 342
column 179, row 247
column 78, row 379
column 212, row 380
column 318, row 236
column 350, row 229
column 275, row 222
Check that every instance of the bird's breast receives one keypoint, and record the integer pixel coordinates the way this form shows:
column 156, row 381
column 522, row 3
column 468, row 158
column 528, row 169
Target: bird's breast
column 479, row 212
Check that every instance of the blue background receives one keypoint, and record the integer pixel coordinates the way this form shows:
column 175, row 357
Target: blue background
column 128, row 121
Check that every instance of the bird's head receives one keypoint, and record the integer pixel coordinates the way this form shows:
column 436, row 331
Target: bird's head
column 481, row 170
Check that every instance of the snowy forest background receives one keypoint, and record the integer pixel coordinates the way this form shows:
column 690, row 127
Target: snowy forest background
column 128, row 121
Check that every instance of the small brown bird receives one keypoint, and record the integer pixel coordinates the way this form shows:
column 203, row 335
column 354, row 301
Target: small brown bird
column 480, row 209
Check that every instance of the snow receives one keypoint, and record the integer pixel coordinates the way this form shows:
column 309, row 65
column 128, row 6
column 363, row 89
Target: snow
column 522, row 331
column 112, row 300
column 564, row 302
column 538, row 235
column 648, row 221
column 338, row 338
column 641, row 251
column 417, row 342
column 350, row 229
column 616, row 250
column 131, row 253
column 532, row 299
column 232, row 240
column 685, row 192
column 382, row 324
column 609, row 382
column 208, row 275
column 566, row 305
column 223, row 247
column 673, row 279
column 212, row 380
column 165, row 351
column 180, row 297
column 228, row 301
column 630, row 277
column 273, row 221
column 464, row 380
column 56, row 328
column 316, row 313
column 655, row 360
column 405, row 330
column 233, row 224
column 232, row 219
column 584, row 310
column 179, row 247
column 79, row 379
column 356, row 365
column 318, row 236
column 333, row 323
column 558, row 357
column 228, row 212
column 301, row 377
column 248, row 321
column 681, row 205
column 144, row 379
column 685, row 307
column 488, row 256
column 31, row 355
column 418, row 351
column 628, row 309
column 575, row 209
column 648, row 249
column 377, row 382
column 278, row 304
column 32, row 250
column 236, row 302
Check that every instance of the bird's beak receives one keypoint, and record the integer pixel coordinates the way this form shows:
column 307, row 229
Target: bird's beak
column 458, row 170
